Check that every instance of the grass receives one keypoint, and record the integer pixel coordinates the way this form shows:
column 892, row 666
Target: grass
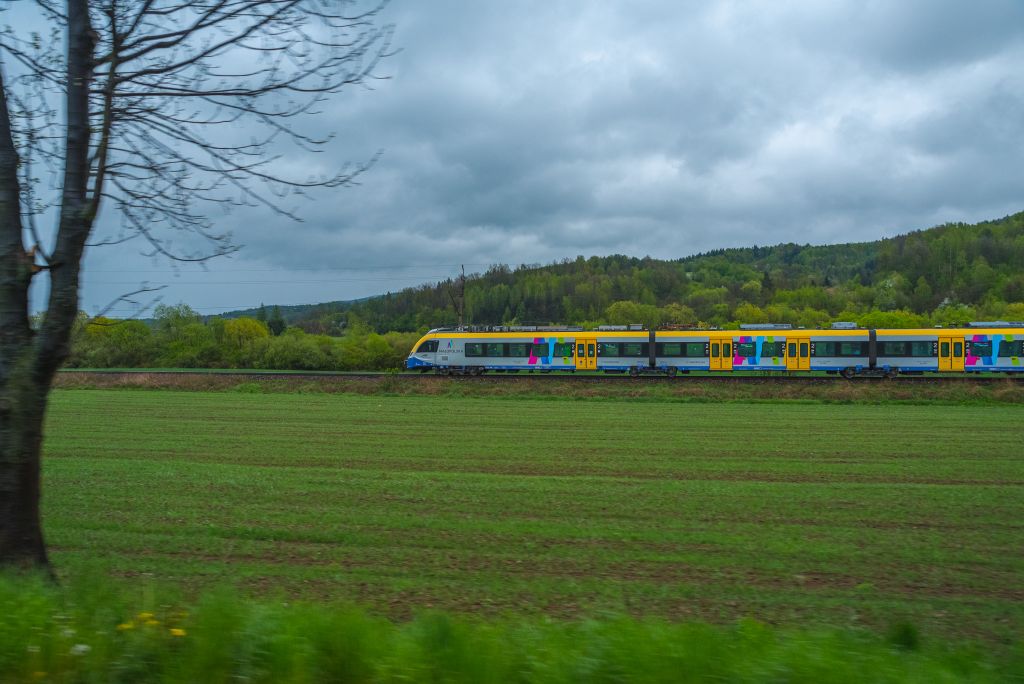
column 804, row 515
column 90, row 632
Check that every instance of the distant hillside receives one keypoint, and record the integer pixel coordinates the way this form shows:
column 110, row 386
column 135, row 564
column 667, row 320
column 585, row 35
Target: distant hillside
column 950, row 273
column 291, row 312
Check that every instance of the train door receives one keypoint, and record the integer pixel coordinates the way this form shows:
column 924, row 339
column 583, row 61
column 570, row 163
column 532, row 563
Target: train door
column 798, row 353
column 586, row 353
column 720, row 353
column 951, row 354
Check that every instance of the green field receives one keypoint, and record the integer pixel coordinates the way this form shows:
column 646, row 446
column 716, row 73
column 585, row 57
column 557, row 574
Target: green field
column 793, row 513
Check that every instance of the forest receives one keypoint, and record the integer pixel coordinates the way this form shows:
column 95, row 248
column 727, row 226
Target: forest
column 946, row 275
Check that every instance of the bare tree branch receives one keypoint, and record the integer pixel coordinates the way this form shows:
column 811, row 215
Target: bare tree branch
column 127, row 298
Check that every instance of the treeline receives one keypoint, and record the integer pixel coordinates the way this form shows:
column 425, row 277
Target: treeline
column 950, row 274
column 178, row 337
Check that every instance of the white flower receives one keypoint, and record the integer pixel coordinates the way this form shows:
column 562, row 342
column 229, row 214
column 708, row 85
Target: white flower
column 80, row 649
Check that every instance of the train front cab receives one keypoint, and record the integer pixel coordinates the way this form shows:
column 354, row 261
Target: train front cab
column 423, row 355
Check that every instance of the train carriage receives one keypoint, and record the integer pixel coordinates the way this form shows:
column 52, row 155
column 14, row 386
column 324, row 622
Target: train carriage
column 844, row 349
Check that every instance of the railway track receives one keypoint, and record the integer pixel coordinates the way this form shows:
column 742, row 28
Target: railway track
column 737, row 378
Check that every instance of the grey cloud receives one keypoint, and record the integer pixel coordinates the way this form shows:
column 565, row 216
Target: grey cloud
column 535, row 131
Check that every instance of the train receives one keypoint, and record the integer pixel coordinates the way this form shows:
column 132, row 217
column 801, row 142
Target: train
column 843, row 349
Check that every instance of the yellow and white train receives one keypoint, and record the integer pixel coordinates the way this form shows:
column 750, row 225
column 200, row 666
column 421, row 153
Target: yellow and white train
column 996, row 346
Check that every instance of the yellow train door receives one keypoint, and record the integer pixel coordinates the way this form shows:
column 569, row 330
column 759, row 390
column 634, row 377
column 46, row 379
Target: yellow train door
column 798, row 353
column 720, row 353
column 586, row 353
column 951, row 354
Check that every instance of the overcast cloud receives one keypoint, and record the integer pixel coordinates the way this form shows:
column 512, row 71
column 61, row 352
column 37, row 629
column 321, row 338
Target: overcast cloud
column 532, row 131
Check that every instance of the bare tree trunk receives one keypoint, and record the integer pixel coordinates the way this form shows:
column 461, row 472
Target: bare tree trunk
column 22, row 401
column 28, row 360
column 21, row 405
column 22, row 410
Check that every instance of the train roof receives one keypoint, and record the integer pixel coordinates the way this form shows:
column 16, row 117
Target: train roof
column 455, row 333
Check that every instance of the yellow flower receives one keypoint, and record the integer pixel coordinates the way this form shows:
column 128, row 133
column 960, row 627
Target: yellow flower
column 145, row 616
column 38, row 675
column 125, row 626
column 177, row 631
column 152, row 623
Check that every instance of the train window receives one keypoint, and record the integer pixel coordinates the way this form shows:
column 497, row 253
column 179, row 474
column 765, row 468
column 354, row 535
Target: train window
column 428, row 346
column 772, row 349
column 632, row 349
column 714, row 350
column 494, row 349
column 519, row 349
column 852, row 349
column 607, row 348
column 905, row 348
column 540, row 349
column 958, row 349
column 669, row 348
column 474, row 349
column 590, row 350
column 944, row 348
column 979, row 348
column 696, row 349
column 922, row 349
column 746, row 349
column 1008, row 349
column 563, row 349
column 894, row 349
column 726, row 349
column 804, row 350
column 792, row 349
column 580, row 347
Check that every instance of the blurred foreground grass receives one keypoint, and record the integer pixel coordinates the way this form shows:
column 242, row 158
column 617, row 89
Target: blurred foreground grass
column 96, row 631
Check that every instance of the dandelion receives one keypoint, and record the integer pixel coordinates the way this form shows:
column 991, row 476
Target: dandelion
column 152, row 623
column 144, row 616
column 177, row 631
column 80, row 649
column 124, row 626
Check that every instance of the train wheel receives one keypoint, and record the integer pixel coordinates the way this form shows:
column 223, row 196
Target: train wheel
column 847, row 373
column 671, row 371
column 633, row 372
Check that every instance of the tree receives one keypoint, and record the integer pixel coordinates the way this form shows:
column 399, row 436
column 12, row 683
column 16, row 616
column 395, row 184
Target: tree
column 154, row 96
column 276, row 322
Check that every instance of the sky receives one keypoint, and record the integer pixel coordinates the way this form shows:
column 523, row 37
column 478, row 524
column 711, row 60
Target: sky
column 534, row 131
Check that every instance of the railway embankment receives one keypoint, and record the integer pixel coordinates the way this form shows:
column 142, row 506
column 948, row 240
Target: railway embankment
column 823, row 389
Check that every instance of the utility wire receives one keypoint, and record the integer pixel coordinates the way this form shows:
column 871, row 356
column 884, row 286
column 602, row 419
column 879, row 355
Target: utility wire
column 284, row 270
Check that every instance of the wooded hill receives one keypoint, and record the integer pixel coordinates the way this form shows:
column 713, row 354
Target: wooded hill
column 948, row 274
